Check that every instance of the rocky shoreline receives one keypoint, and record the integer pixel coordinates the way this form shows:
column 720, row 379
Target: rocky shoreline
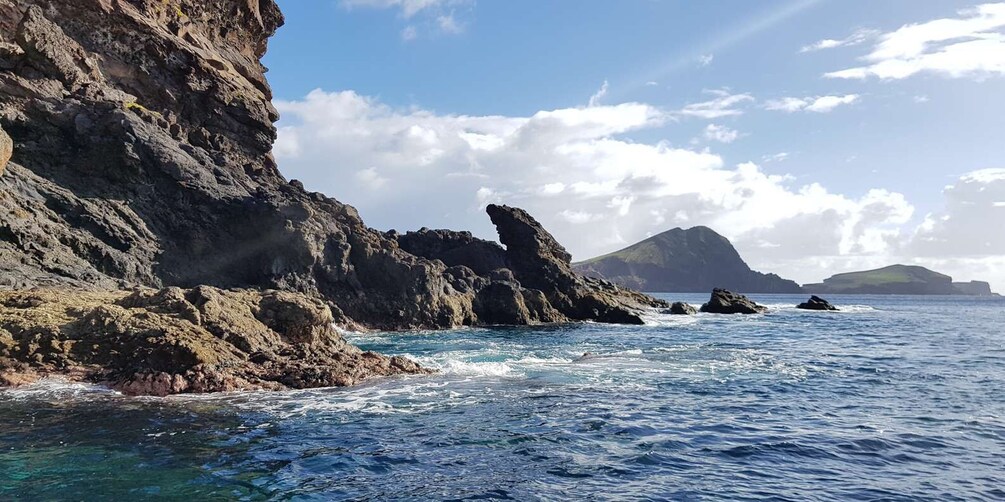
column 137, row 180
column 149, row 242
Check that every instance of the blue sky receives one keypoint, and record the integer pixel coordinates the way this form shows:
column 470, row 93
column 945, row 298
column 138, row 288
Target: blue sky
column 612, row 121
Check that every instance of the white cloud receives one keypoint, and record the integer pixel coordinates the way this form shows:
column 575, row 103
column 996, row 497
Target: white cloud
column 571, row 168
column 972, row 222
column 818, row 104
column 706, row 59
column 599, row 95
column 408, row 8
column 778, row 157
column 423, row 16
column 370, row 178
column 860, row 36
column 409, row 33
column 722, row 134
column 971, row 45
column 725, row 104
column 449, row 24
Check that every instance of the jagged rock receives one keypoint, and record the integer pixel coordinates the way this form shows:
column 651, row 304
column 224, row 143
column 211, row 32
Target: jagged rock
column 152, row 167
column 144, row 132
column 539, row 262
column 6, row 149
column 175, row 341
column 816, row 303
column 727, row 302
column 455, row 248
column 681, row 308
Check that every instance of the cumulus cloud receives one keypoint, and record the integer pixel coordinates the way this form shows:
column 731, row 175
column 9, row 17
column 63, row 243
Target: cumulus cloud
column 818, row 104
column 971, row 45
column 724, row 104
column 859, row 37
column 581, row 174
column 722, row 134
column 972, row 223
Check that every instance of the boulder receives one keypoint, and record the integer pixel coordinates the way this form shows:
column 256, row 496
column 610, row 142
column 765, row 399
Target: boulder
column 816, row 303
column 6, row 150
column 727, row 302
column 681, row 308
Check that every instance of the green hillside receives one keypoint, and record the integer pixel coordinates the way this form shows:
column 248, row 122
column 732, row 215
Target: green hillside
column 693, row 260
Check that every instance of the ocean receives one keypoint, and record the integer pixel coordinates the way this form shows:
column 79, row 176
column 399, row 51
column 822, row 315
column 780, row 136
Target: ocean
column 894, row 398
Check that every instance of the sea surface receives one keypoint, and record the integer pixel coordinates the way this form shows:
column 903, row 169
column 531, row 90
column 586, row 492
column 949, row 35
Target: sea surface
column 894, row 398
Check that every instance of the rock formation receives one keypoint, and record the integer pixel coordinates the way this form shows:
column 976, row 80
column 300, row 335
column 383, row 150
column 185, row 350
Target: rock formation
column 533, row 274
column 174, row 341
column 141, row 134
column 6, row 149
column 682, row 261
column 727, row 302
column 681, row 308
column 816, row 303
column 898, row 280
column 973, row 288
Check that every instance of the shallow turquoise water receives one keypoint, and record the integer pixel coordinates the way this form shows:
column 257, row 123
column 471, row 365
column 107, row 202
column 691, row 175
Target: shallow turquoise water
column 897, row 398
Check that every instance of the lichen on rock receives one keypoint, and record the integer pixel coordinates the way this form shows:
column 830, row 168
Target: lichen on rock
column 172, row 341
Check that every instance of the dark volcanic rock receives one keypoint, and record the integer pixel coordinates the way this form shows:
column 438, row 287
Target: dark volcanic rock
column 816, row 303
column 455, row 248
column 681, row 308
column 142, row 134
column 175, row 341
column 539, row 262
column 727, row 302
column 678, row 261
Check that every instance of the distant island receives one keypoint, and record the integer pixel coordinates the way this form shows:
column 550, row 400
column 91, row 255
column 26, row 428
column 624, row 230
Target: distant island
column 683, row 261
column 898, row 280
column 699, row 259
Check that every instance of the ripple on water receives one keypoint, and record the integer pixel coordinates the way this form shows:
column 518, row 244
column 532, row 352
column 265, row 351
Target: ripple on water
column 892, row 398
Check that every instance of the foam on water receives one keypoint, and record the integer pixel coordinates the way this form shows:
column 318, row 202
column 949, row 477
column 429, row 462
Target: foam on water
column 903, row 400
column 56, row 389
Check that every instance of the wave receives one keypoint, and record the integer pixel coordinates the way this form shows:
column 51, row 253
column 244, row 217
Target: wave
column 56, row 388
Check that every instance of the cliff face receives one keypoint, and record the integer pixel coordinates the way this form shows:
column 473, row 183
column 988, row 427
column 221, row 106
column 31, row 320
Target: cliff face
column 693, row 260
column 141, row 132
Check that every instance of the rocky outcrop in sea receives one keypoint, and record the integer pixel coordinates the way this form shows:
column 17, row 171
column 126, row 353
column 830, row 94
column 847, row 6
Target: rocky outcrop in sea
column 728, row 302
column 816, row 303
column 140, row 139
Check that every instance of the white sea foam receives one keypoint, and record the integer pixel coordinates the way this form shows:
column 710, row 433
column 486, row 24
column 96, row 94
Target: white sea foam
column 57, row 388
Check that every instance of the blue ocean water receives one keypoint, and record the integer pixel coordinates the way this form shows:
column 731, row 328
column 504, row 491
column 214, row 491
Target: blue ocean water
column 895, row 398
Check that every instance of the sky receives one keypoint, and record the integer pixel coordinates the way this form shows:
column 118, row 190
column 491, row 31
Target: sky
column 819, row 136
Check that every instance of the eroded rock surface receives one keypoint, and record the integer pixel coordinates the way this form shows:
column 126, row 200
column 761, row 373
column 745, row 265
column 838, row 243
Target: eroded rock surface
column 141, row 134
column 728, row 302
column 171, row 341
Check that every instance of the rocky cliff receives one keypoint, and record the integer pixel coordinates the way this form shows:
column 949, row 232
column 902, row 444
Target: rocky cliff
column 139, row 134
column 693, row 260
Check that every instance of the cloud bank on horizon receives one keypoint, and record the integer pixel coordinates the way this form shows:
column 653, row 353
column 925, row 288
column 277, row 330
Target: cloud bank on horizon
column 587, row 173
